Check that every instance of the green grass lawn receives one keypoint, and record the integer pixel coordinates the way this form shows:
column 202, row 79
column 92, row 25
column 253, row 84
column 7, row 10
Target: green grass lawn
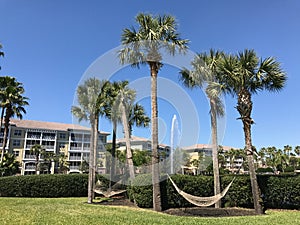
column 77, row 211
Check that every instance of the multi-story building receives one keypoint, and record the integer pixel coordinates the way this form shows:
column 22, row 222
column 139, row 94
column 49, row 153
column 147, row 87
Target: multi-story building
column 140, row 143
column 70, row 139
column 204, row 152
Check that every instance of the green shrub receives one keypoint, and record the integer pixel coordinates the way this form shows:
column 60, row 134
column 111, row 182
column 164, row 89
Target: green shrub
column 265, row 170
column 140, row 191
column 54, row 185
column 283, row 192
column 239, row 194
column 289, row 169
column 277, row 191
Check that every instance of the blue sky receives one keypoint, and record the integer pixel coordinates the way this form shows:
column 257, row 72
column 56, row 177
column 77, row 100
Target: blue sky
column 50, row 44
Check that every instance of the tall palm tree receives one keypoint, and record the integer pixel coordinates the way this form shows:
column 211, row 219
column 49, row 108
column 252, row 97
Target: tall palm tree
column 91, row 98
column 247, row 74
column 142, row 46
column 204, row 70
column 12, row 103
column 122, row 103
column 114, row 116
column 136, row 116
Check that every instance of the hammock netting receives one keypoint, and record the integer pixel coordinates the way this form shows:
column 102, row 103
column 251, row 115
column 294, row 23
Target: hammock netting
column 116, row 189
column 201, row 201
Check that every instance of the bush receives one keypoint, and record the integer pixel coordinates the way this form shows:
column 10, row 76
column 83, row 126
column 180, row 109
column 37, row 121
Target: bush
column 239, row 194
column 264, row 170
column 289, row 169
column 140, row 190
column 52, row 185
column 283, row 192
column 277, row 191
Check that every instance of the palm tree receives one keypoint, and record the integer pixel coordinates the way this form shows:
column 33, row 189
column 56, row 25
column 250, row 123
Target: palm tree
column 122, row 103
column 137, row 117
column 245, row 74
column 12, row 103
column 63, row 165
column 136, row 114
column 37, row 150
column 204, row 70
column 91, row 98
column 111, row 93
column 297, row 150
column 142, row 46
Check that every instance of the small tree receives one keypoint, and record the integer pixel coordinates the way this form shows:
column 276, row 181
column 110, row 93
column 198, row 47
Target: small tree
column 37, row 150
column 9, row 166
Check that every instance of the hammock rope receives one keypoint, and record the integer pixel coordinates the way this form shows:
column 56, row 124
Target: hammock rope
column 201, row 201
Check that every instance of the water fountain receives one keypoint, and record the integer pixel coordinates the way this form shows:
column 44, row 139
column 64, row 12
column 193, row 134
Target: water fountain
column 174, row 142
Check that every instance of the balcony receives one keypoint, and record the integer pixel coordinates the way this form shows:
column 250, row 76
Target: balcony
column 33, row 136
column 48, row 137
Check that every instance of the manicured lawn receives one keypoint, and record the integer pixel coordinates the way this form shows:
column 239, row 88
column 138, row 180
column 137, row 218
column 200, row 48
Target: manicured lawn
column 76, row 211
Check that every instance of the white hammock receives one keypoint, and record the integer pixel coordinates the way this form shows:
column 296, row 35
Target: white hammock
column 202, row 201
column 109, row 192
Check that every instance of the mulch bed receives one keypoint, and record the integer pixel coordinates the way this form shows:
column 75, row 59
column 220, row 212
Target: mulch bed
column 189, row 211
column 210, row 212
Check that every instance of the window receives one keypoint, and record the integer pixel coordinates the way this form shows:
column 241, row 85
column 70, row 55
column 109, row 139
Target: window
column 62, row 145
column 62, row 135
column 16, row 143
column 17, row 132
column 16, row 153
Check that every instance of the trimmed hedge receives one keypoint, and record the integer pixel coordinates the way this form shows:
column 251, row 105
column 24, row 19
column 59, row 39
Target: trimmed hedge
column 49, row 186
column 277, row 191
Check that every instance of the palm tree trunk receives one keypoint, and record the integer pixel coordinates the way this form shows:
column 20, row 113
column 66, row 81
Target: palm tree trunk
column 128, row 145
column 5, row 133
column 113, row 152
column 157, row 205
column 95, row 147
column 1, row 123
column 214, row 137
column 245, row 108
column 91, row 164
column 253, row 178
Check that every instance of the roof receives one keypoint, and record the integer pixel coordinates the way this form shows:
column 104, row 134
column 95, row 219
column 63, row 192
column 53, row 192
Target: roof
column 33, row 124
column 205, row 146
column 134, row 138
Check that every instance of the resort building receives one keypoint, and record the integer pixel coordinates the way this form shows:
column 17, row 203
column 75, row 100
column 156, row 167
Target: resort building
column 143, row 144
column 72, row 140
column 202, row 153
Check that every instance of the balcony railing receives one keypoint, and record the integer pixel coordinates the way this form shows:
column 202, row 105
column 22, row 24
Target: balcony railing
column 75, row 148
column 31, row 167
column 29, row 157
column 48, row 137
column 77, row 158
column 48, row 147
column 32, row 136
column 74, row 167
